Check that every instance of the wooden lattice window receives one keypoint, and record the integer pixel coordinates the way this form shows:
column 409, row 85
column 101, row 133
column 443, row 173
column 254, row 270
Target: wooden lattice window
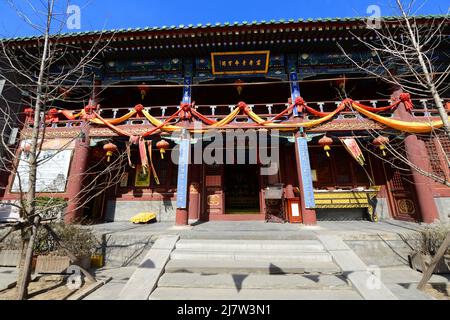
column 444, row 141
column 438, row 151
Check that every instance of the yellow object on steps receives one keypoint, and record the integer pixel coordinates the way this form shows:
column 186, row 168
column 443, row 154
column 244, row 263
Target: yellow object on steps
column 143, row 217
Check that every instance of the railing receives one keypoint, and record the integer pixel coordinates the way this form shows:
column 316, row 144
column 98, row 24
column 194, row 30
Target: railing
column 422, row 108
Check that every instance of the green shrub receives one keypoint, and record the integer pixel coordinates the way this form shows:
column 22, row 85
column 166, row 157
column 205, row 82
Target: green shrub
column 432, row 236
column 79, row 240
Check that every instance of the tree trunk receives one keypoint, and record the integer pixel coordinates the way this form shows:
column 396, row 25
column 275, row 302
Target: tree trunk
column 25, row 271
column 22, row 275
column 439, row 254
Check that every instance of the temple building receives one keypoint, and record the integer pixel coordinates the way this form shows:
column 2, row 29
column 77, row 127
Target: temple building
column 239, row 121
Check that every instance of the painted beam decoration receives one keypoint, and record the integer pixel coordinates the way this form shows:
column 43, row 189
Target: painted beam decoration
column 244, row 62
column 295, row 89
column 305, row 169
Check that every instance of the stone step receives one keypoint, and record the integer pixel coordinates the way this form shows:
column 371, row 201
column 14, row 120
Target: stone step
column 209, row 266
column 220, row 244
column 251, row 294
column 252, row 281
column 259, row 255
column 248, row 235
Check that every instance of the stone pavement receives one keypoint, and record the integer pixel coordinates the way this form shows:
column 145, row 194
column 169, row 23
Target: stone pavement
column 382, row 246
column 111, row 290
column 368, row 247
column 8, row 275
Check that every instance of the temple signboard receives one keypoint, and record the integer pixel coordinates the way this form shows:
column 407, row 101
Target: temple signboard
column 245, row 62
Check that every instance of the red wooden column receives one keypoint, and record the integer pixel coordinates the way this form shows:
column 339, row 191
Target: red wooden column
column 417, row 153
column 74, row 210
column 181, row 217
column 308, row 215
column 194, row 192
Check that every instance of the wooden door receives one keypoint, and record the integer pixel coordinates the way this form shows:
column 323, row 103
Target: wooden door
column 402, row 196
column 213, row 197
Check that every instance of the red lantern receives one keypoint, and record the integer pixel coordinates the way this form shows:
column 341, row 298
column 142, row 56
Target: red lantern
column 381, row 142
column 143, row 89
column 239, row 86
column 52, row 115
column 29, row 113
column 110, row 148
column 162, row 145
column 341, row 82
column 326, row 142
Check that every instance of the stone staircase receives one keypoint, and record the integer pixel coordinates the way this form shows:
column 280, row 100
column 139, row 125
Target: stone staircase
column 250, row 269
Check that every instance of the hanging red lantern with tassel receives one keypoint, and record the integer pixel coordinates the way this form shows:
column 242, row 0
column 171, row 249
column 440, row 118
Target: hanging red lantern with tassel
column 381, row 142
column 162, row 145
column 143, row 89
column 239, row 86
column 29, row 114
column 110, row 148
column 52, row 115
column 326, row 142
column 340, row 83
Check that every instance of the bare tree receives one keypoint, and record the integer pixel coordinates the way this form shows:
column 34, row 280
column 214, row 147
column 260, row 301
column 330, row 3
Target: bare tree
column 43, row 75
column 405, row 54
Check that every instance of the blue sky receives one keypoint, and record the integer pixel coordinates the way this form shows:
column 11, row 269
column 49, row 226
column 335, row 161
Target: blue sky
column 115, row 14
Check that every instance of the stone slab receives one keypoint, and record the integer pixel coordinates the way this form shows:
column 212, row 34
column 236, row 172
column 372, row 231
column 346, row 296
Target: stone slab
column 245, row 267
column 121, row 250
column 252, row 281
column 8, row 277
column 261, row 255
column 408, row 292
column 124, row 210
column 365, row 280
column 369, row 287
column 406, row 275
column 144, row 279
column 251, row 294
column 218, row 244
column 89, row 289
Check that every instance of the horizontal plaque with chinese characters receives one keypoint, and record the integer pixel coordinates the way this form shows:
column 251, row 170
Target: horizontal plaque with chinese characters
column 240, row 62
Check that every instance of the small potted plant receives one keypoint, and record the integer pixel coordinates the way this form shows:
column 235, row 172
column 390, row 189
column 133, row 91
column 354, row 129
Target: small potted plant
column 430, row 239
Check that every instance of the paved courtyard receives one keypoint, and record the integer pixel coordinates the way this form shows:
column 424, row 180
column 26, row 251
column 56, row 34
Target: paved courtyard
column 257, row 260
column 203, row 271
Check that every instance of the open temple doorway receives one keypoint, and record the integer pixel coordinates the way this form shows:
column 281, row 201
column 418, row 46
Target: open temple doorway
column 242, row 187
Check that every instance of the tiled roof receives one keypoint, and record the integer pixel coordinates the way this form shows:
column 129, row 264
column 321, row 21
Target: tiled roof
column 200, row 26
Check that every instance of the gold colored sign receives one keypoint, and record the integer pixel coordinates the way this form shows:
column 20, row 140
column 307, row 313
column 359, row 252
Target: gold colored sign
column 213, row 200
column 244, row 62
column 142, row 178
column 406, row 206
